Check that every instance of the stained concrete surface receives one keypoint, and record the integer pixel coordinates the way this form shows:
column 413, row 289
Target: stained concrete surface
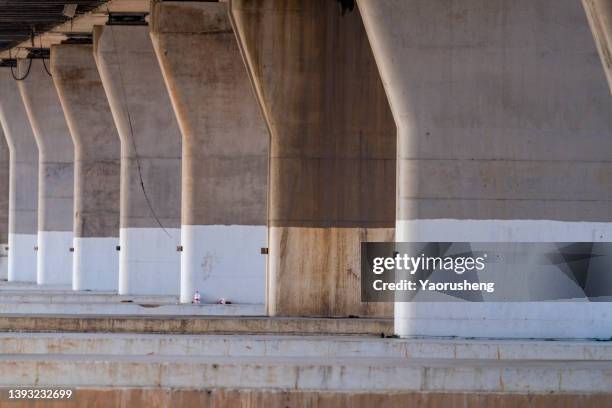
column 332, row 150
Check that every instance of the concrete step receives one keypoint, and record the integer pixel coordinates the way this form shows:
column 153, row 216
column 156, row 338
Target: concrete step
column 28, row 286
column 29, row 298
column 195, row 324
column 237, row 345
column 107, row 308
column 303, row 373
column 60, row 296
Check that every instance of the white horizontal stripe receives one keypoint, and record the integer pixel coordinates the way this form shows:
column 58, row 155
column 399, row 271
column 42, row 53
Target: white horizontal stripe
column 22, row 257
column 96, row 264
column 223, row 261
column 452, row 230
column 149, row 263
column 504, row 320
column 54, row 258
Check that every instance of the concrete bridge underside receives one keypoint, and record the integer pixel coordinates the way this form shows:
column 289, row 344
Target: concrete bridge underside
column 241, row 150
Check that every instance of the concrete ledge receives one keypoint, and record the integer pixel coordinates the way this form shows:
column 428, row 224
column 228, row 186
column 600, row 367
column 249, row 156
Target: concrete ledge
column 59, row 296
column 118, row 309
column 298, row 346
column 335, row 374
column 194, row 324
column 231, row 398
column 238, row 345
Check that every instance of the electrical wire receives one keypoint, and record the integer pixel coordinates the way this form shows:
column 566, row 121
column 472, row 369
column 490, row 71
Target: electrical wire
column 127, row 109
column 43, row 58
column 13, row 72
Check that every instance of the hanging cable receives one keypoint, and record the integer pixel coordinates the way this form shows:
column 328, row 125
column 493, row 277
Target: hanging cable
column 13, row 72
column 127, row 109
column 43, row 57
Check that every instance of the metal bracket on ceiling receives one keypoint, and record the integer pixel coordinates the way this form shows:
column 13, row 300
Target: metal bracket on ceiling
column 39, row 53
column 127, row 18
column 78, row 38
column 8, row 63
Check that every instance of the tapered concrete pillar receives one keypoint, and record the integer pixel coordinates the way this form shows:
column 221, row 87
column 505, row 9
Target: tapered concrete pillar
column 55, row 175
column 599, row 14
column 224, row 180
column 505, row 134
column 96, row 167
column 150, row 160
column 23, row 181
column 332, row 151
column 4, row 203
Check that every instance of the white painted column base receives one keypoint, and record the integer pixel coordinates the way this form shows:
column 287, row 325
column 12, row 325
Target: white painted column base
column 511, row 319
column 96, row 264
column 149, row 263
column 3, row 261
column 22, row 257
column 54, row 258
column 223, row 261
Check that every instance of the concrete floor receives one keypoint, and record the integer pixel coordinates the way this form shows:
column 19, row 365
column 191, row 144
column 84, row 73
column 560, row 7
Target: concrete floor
column 52, row 336
column 340, row 364
column 32, row 299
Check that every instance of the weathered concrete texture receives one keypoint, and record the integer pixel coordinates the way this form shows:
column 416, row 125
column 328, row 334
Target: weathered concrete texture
column 298, row 373
column 55, row 174
column 505, row 134
column 306, row 346
column 332, row 151
column 196, row 325
column 4, row 204
column 224, row 180
column 228, row 398
column 529, row 132
column 150, row 159
column 97, row 166
column 23, row 181
column 118, row 308
column 297, row 370
column 599, row 14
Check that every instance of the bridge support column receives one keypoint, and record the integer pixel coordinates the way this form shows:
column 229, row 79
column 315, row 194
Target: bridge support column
column 505, row 135
column 55, row 175
column 599, row 14
column 23, row 181
column 150, row 160
column 224, row 180
column 97, row 167
column 332, row 151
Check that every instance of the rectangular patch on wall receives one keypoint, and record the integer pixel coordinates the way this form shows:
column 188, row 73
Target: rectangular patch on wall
column 486, row 272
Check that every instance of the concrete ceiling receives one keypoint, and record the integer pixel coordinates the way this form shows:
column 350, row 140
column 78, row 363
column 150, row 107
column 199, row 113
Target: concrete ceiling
column 19, row 17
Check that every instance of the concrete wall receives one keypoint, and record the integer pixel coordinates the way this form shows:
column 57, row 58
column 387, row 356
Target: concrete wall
column 23, row 181
column 505, row 134
column 4, row 204
column 55, row 175
column 224, row 152
column 150, row 160
column 97, row 166
column 599, row 14
column 332, row 151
